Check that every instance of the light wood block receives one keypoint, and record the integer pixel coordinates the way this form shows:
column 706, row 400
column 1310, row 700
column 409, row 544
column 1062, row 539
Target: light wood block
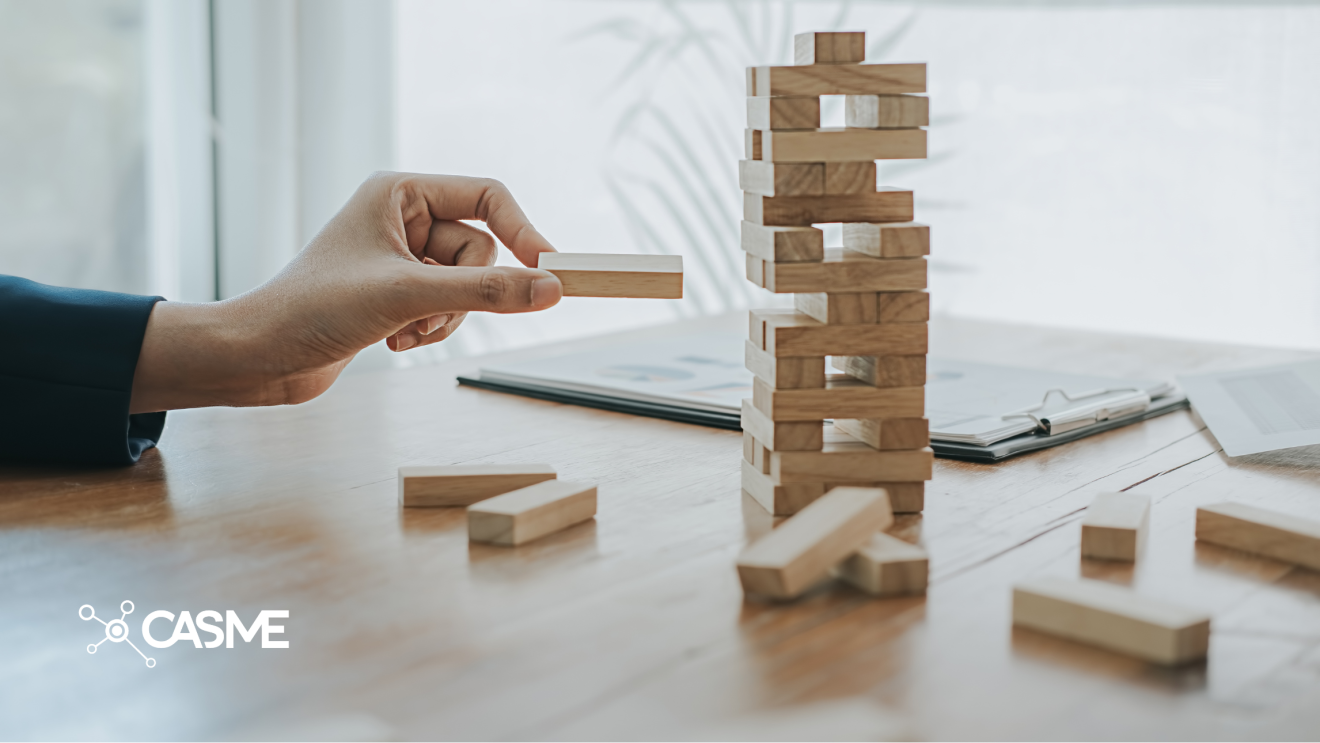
column 883, row 371
column 802, row 335
column 785, row 372
column 1114, row 618
column 791, row 558
column 846, row 178
column 847, row 272
column 783, row 244
column 1115, row 526
column 781, row 179
column 463, row 485
column 781, row 436
column 531, row 513
column 885, row 205
column 842, row 145
column 1261, row 531
column 756, row 320
column 862, row 79
column 755, row 270
column 615, row 275
column 787, row 112
column 761, row 459
column 752, row 144
column 778, row 500
column 749, row 446
column 887, row 434
column 838, row 309
column 891, row 240
column 902, row 307
column 835, row 47
column 886, row 111
column 887, row 566
column 840, row 398
column 904, row 497
column 850, row 462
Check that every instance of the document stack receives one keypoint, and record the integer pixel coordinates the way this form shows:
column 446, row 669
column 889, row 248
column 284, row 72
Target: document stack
column 862, row 306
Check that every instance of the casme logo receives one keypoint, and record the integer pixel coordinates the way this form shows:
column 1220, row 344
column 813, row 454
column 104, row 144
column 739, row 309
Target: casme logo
column 117, row 630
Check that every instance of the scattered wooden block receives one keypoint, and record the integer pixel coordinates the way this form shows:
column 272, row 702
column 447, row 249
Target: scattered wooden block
column 1260, row 531
column 892, row 240
column 887, row 566
column 782, row 179
column 531, row 513
column 779, row 435
column 802, row 335
column 842, row 145
column 778, row 500
column 783, row 244
column 463, row 485
column 801, row 551
column 847, row 178
column 787, row 112
column 848, row 272
column 752, row 144
column 836, row 47
column 840, row 398
column 838, row 309
column 886, row 111
column 902, row 307
column 883, row 371
column 862, row 79
column 884, row 205
column 613, row 275
column 755, row 270
column 785, row 372
column 887, row 434
column 904, row 497
column 1115, row 526
column 850, row 461
column 1112, row 617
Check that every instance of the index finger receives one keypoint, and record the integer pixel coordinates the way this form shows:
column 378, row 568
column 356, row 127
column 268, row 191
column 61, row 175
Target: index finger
column 456, row 197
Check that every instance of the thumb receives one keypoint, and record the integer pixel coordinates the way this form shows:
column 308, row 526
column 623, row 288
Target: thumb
column 452, row 289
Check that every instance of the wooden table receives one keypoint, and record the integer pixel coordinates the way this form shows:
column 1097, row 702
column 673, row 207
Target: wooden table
column 632, row 626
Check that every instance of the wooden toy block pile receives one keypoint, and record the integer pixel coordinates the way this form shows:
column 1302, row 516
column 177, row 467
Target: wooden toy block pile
column 864, row 306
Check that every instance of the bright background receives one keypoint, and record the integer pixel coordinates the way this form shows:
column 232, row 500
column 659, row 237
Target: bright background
column 1127, row 167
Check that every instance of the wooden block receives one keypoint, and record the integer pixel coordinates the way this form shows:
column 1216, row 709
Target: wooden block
column 886, row 111
column 749, row 446
column 783, row 244
column 801, row 551
column 887, row 434
column 850, row 462
column 901, row 307
column 887, row 566
column 846, row 178
column 781, row 179
column 842, row 145
column 1260, row 531
column 752, row 144
column 779, row 500
column 835, row 47
column 785, row 372
column 755, row 270
column 885, row 205
column 840, row 398
column 531, row 513
column 786, row 112
column 761, row 459
column 1112, row 617
column 843, row 271
column 1115, row 526
column 862, row 79
column 883, row 371
column 904, row 497
column 750, row 79
column 781, row 436
column 614, row 275
column 802, row 335
column 838, row 309
column 891, row 240
column 463, row 485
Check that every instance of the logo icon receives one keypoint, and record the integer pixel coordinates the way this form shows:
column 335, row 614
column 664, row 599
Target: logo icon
column 116, row 630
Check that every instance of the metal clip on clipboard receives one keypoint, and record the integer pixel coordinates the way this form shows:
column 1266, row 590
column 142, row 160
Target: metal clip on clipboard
column 1110, row 404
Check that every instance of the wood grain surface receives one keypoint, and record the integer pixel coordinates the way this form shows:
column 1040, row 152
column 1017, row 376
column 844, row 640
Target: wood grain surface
column 633, row 626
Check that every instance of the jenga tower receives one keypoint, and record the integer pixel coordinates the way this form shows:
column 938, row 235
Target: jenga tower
column 864, row 304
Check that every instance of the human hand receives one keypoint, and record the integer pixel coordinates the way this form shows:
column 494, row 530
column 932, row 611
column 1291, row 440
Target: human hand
column 394, row 263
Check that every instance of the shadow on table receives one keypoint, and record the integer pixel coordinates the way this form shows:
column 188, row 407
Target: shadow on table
column 1038, row 646
column 136, row 497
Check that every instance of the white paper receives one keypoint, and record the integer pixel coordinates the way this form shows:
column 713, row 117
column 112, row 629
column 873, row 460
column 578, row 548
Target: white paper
column 1256, row 410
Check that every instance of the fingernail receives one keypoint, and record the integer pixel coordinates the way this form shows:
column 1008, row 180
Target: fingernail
column 406, row 342
column 546, row 292
column 437, row 322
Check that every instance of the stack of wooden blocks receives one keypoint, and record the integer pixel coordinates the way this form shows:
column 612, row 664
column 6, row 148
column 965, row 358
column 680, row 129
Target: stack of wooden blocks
column 864, row 306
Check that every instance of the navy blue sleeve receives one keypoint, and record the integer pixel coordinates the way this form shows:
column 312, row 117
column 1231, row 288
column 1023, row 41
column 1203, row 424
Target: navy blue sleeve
column 67, row 358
